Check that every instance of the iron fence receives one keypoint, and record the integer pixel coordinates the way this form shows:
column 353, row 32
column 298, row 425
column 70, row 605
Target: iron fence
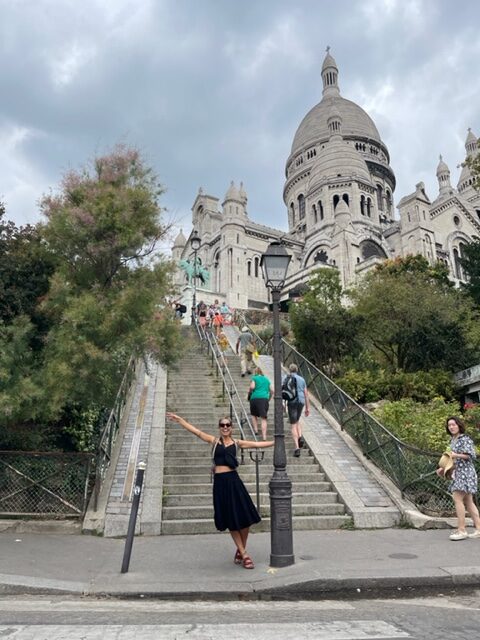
column 411, row 469
column 41, row 484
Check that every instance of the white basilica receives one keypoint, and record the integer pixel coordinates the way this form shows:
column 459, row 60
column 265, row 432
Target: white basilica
column 338, row 195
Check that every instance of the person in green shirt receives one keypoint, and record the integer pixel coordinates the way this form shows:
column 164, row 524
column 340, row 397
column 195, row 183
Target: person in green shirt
column 260, row 393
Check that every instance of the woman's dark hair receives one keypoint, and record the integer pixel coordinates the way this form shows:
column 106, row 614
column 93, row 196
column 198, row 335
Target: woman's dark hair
column 461, row 425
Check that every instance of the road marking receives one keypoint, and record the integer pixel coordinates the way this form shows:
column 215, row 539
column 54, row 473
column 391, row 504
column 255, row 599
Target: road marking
column 469, row 604
column 13, row 603
column 349, row 630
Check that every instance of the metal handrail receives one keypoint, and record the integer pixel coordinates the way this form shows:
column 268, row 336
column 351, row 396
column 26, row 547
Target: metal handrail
column 410, row 468
column 238, row 413
column 110, row 431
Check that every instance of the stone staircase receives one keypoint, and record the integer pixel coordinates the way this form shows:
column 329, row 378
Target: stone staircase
column 195, row 393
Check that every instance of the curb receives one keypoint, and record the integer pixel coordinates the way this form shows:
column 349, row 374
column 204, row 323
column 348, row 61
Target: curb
column 359, row 587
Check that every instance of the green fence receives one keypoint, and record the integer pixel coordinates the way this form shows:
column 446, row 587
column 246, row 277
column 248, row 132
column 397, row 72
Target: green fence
column 411, row 469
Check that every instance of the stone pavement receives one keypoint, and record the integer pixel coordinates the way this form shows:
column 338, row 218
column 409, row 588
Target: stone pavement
column 337, row 562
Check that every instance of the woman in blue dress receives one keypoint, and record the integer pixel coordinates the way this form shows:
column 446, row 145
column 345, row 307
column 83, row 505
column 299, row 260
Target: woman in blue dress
column 464, row 483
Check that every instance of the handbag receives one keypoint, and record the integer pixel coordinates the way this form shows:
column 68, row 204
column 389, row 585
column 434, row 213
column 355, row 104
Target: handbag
column 249, row 394
column 250, row 348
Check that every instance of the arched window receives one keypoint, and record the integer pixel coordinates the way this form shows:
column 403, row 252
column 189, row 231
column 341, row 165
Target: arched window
column 369, row 207
column 456, row 264
column 336, row 200
column 389, row 201
column 249, row 267
column 362, row 205
column 369, row 248
column 256, row 267
column 301, row 206
column 320, row 209
column 292, row 213
column 345, row 198
column 428, row 248
column 379, row 197
column 315, row 215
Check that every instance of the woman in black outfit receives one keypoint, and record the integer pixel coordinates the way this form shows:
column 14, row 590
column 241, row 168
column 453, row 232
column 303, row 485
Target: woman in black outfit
column 234, row 509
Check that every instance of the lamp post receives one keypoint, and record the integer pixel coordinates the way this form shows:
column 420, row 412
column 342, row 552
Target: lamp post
column 274, row 265
column 195, row 244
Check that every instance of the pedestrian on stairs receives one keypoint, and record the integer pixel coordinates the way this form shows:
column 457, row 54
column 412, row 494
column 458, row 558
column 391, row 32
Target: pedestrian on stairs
column 233, row 506
column 260, row 393
column 295, row 407
column 245, row 348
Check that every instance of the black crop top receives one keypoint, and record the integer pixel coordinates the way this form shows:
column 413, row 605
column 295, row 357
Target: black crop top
column 225, row 456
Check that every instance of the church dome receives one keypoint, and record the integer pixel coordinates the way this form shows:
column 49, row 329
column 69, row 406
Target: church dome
column 338, row 159
column 180, row 240
column 356, row 122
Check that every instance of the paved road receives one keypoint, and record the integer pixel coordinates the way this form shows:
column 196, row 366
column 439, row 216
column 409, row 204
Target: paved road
column 454, row 617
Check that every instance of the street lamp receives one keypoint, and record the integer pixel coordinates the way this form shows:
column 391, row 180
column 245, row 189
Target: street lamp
column 195, row 243
column 274, row 265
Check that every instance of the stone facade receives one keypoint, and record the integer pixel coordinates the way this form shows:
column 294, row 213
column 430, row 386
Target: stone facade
column 339, row 201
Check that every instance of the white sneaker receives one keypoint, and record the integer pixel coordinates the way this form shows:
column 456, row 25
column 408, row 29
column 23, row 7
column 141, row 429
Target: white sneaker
column 475, row 534
column 459, row 535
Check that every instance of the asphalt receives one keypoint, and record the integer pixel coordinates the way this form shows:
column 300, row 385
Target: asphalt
column 201, row 567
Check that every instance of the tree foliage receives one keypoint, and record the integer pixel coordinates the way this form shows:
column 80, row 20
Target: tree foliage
column 325, row 330
column 413, row 319
column 100, row 288
column 471, row 265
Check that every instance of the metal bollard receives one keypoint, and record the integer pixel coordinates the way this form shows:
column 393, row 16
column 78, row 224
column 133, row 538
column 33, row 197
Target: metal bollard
column 137, row 492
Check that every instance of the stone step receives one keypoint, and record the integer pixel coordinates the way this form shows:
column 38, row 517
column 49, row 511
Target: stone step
column 176, row 488
column 326, row 497
column 247, row 475
column 200, row 512
column 300, row 523
column 199, row 458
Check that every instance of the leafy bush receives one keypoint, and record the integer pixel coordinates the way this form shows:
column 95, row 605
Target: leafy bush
column 420, row 424
column 421, row 386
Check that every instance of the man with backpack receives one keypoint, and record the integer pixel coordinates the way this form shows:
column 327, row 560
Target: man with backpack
column 295, row 392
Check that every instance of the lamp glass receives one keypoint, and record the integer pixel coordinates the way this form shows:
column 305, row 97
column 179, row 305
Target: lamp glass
column 195, row 241
column 275, row 269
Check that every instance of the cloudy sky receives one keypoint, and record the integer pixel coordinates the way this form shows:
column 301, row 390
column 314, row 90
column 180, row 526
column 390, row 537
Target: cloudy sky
column 213, row 90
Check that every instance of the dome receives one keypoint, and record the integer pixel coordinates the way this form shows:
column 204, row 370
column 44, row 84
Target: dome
column 338, row 159
column 355, row 122
column 180, row 240
column 442, row 167
column 232, row 192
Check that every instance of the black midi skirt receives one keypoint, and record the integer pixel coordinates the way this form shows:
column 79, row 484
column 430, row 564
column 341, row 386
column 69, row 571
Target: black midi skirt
column 233, row 506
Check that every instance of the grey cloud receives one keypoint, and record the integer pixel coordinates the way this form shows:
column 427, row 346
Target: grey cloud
column 214, row 90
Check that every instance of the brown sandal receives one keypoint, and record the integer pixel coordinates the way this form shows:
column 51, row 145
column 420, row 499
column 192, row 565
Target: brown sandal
column 238, row 557
column 247, row 562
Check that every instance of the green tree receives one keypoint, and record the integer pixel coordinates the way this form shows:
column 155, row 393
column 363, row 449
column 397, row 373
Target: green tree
column 325, row 331
column 105, row 298
column 26, row 265
column 413, row 319
column 471, row 265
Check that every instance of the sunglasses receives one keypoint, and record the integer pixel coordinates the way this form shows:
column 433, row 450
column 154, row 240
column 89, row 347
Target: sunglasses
column 225, row 424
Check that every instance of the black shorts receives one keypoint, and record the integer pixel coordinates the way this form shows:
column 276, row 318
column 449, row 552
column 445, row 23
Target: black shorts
column 294, row 411
column 259, row 407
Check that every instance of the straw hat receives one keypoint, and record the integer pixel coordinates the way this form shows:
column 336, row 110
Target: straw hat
column 447, row 464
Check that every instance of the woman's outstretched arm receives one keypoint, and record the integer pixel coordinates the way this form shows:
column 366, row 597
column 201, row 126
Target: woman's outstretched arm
column 255, row 444
column 206, row 437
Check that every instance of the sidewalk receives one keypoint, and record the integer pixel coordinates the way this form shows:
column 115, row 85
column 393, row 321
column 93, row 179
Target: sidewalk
column 201, row 567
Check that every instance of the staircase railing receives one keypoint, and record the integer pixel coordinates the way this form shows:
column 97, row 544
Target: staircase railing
column 110, row 431
column 411, row 469
column 238, row 413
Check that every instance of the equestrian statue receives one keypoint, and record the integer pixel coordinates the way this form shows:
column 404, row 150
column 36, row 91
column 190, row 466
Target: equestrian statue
column 195, row 270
